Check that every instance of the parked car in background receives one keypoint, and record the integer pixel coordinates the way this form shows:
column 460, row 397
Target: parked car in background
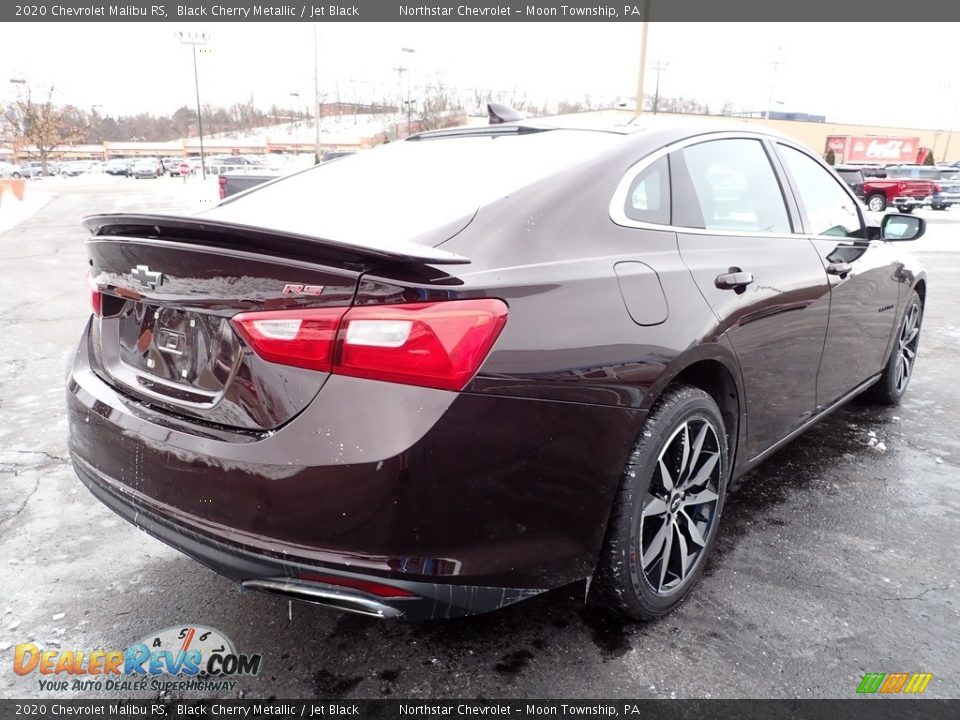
column 118, row 166
column 946, row 194
column 75, row 168
column 231, row 183
column 147, row 168
column 171, row 165
column 853, row 177
column 378, row 386
column 33, row 169
column 917, row 172
column 9, row 170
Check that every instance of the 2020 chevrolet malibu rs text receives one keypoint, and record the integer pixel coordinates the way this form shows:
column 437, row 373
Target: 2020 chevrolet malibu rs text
column 440, row 376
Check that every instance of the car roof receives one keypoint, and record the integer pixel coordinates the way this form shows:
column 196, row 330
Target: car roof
column 665, row 129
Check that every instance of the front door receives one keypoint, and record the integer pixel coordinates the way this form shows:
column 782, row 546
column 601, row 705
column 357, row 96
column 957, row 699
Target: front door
column 863, row 277
column 766, row 285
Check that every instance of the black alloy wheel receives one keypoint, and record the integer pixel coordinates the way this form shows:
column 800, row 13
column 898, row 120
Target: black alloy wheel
column 666, row 515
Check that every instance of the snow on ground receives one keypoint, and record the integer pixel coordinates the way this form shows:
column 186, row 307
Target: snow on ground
column 14, row 211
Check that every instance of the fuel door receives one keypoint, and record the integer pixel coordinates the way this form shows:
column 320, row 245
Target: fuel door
column 642, row 292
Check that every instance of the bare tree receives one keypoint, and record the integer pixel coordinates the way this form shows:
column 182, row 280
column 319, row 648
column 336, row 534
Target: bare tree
column 40, row 127
column 439, row 109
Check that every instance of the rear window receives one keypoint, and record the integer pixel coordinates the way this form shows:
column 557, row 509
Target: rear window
column 405, row 189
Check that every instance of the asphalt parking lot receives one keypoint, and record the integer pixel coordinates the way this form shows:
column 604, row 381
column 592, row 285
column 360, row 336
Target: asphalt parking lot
column 837, row 557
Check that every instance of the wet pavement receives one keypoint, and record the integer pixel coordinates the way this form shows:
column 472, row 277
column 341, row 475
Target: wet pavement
column 836, row 557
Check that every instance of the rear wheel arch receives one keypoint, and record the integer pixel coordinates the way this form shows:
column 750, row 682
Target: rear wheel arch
column 717, row 375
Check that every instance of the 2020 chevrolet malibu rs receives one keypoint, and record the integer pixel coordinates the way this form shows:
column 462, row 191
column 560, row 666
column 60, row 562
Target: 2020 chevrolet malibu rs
column 450, row 373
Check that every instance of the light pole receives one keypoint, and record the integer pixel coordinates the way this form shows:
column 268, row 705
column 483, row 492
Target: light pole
column 316, row 97
column 410, row 51
column 193, row 39
column 659, row 67
column 293, row 119
column 643, row 55
column 773, row 83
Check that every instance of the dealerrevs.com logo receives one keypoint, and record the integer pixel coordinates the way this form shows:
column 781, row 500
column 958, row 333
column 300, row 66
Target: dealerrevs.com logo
column 201, row 658
column 894, row 683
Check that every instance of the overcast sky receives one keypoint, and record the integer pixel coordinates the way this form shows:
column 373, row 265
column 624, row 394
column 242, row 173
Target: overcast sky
column 825, row 70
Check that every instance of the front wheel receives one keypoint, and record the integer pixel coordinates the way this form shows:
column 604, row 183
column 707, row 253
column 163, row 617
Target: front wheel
column 665, row 517
column 877, row 202
column 891, row 386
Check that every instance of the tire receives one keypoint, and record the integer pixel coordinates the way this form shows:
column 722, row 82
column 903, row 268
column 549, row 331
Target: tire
column 16, row 175
column 648, row 521
column 938, row 207
column 905, row 209
column 892, row 385
column 877, row 202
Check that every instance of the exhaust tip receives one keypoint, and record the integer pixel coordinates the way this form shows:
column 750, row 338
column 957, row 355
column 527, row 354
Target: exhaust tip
column 326, row 596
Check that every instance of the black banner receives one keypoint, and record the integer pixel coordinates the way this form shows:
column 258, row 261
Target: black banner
column 483, row 11
column 856, row 709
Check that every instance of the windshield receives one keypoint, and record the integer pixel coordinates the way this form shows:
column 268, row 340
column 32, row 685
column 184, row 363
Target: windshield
column 404, row 189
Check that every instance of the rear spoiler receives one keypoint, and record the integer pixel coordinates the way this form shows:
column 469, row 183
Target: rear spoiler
column 216, row 233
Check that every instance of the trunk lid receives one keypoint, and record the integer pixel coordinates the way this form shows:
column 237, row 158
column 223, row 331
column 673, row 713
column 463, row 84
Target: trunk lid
column 169, row 286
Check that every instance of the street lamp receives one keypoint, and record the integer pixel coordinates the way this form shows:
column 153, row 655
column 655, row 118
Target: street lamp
column 659, row 68
column 411, row 51
column 295, row 133
column 316, row 97
column 193, row 39
column 773, row 83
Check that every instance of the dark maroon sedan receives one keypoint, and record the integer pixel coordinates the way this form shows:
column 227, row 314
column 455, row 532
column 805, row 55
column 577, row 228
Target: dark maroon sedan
column 441, row 376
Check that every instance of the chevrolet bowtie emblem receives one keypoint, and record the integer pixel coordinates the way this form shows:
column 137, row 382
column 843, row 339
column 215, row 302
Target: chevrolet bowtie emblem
column 146, row 277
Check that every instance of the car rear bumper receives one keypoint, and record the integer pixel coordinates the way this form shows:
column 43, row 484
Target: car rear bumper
column 470, row 501
column 295, row 580
column 912, row 202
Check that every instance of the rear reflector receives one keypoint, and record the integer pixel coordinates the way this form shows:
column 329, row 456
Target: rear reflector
column 222, row 187
column 439, row 345
column 96, row 299
column 368, row 586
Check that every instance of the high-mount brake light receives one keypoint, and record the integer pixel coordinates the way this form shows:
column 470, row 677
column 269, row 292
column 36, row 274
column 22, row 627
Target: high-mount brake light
column 439, row 344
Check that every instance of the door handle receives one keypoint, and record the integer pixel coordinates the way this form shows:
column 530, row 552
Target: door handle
column 733, row 280
column 838, row 268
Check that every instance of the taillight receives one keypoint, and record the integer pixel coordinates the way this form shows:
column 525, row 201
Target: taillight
column 937, row 187
column 303, row 338
column 222, row 186
column 96, row 298
column 439, row 345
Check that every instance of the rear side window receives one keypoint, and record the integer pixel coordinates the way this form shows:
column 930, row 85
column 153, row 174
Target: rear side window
column 648, row 199
column 728, row 186
column 829, row 208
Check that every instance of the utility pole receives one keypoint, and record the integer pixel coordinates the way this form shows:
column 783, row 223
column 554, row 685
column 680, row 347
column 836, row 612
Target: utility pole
column 400, row 71
column 193, row 39
column 643, row 55
column 659, row 67
column 411, row 51
column 316, row 97
column 773, row 83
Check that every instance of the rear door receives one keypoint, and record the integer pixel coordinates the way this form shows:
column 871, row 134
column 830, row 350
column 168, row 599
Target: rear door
column 766, row 285
column 863, row 276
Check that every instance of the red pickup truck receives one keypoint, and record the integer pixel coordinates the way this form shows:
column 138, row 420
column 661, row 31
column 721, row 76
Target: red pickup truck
column 903, row 193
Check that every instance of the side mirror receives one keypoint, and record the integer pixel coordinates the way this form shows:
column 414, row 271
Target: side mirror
column 902, row 227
